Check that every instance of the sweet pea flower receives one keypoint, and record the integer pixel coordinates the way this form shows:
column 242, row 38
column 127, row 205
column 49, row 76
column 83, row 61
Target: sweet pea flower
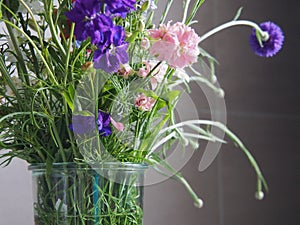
column 144, row 103
column 85, row 123
column 176, row 44
column 103, row 123
column 119, row 126
column 119, row 7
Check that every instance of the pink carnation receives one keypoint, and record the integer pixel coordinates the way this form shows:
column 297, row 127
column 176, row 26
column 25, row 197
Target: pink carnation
column 157, row 76
column 144, row 103
column 177, row 44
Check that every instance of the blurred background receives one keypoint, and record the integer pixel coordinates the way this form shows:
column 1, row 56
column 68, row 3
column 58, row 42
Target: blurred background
column 263, row 108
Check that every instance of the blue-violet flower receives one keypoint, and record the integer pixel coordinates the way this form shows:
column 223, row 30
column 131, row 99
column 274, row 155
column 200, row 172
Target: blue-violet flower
column 119, row 7
column 103, row 123
column 83, row 124
column 110, row 58
column 271, row 46
column 89, row 22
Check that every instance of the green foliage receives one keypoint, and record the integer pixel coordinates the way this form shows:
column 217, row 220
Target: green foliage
column 46, row 79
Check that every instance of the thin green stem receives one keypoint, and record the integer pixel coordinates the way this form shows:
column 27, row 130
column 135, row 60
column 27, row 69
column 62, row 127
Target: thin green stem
column 37, row 28
column 264, row 34
column 7, row 77
column 185, row 10
column 69, row 52
column 16, row 46
column 49, row 9
column 165, row 12
column 36, row 48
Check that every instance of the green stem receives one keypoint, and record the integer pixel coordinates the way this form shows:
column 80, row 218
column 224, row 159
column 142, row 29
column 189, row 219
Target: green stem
column 185, row 11
column 49, row 9
column 69, row 51
column 72, row 141
column 265, row 36
column 34, row 23
column 8, row 79
column 16, row 46
column 165, row 12
column 36, row 48
column 195, row 8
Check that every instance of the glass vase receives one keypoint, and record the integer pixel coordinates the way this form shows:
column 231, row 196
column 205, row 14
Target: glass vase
column 77, row 194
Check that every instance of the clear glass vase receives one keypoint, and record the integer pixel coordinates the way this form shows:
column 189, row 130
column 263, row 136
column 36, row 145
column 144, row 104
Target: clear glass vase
column 76, row 194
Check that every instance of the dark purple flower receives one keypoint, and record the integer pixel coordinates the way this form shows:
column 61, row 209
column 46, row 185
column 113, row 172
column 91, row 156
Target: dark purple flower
column 103, row 123
column 119, row 7
column 89, row 22
column 270, row 47
column 109, row 59
column 82, row 124
column 109, row 39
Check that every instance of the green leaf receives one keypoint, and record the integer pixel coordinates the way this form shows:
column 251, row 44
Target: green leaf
column 1, row 9
column 238, row 14
column 170, row 96
column 84, row 113
column 152, row 134
column 145, row 6
column 69, row 96
column 258, row 36
column 133, row 36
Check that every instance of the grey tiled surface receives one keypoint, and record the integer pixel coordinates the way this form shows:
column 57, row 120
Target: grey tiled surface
column 263, row 103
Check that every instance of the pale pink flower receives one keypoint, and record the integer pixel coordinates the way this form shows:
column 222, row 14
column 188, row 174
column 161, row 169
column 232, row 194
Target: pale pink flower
column 126, row 70
column 119, row 126
column 177, row 44
column 145, row 43
column 144, row 71
column 157, row 75
column 144, row 103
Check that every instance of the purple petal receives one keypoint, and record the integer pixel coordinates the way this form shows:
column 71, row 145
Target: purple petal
column 273, row 45
column 83, row 124
column 121, row 52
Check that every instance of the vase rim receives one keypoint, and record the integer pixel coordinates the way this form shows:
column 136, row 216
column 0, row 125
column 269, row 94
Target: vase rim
column 95, row 166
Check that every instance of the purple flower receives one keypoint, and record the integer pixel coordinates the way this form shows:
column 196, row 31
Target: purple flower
column 82, row 124
column 119, row 7
column 85, row 124
column 89, row 21
column 109, row 59
column 103, row 123
column 109, row 39
column 270, row 47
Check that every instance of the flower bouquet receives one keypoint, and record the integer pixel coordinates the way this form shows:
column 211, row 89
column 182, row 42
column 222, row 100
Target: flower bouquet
column 88, row 92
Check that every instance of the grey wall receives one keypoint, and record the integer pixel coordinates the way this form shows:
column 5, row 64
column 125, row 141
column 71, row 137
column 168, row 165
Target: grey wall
column 262, row 98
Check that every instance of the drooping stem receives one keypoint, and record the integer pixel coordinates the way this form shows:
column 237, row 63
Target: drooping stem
column 264, row 35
